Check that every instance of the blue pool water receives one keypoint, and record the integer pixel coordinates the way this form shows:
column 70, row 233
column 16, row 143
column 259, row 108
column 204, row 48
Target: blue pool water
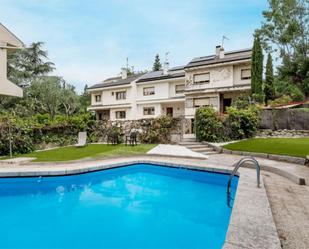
column 139, row 206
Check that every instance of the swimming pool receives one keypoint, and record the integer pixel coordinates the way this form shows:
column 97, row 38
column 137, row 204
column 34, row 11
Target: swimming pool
column 139, row 206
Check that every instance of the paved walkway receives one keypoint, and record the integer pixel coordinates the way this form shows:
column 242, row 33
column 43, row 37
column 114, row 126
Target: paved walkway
column 175, row 150
column 289, row 203
column 231, row 159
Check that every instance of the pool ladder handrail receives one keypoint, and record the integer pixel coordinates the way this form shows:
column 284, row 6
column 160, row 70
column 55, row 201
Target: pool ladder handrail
column 238, row 165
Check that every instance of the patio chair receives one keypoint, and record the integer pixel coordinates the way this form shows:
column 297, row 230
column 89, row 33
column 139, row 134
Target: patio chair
column 82, row 139
column 112, row 138
column 132, row 138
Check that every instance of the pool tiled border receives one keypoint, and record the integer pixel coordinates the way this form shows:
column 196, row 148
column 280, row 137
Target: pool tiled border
column 251, row 224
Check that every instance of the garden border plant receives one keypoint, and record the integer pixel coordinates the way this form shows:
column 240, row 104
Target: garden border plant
column 40, row 131
column 237, row 124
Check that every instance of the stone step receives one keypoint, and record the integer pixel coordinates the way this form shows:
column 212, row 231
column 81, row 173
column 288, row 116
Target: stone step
column 204, row 149
column 188, row 143
column 210, row 152
column 188, row 140
column 193, row 146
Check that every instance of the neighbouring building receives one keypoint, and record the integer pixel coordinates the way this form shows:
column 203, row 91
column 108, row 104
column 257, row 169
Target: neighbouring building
column 214, row 80
column 8, row 43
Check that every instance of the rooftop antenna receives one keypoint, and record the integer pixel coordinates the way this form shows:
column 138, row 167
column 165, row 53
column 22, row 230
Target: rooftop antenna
column 166, row 56
column 224, row 38
column 127, row 63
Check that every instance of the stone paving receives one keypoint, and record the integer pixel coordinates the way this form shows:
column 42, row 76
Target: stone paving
column 287, row 169
column 290, row 207
column 175, row 150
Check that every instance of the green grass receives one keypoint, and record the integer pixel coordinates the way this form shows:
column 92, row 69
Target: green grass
column 91, row 150
column 298, row 147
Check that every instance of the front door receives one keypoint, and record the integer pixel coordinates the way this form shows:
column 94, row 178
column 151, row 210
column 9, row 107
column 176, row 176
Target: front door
column 169, row 111
column 226, row 103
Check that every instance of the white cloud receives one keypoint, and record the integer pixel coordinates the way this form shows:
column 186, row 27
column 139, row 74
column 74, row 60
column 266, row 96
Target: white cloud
column 90, row 40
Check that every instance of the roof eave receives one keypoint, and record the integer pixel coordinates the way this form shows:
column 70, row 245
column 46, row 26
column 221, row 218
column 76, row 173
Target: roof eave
column 11, row 38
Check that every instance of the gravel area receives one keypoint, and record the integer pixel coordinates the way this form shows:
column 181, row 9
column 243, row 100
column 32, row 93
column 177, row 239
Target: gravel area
column 290, row 207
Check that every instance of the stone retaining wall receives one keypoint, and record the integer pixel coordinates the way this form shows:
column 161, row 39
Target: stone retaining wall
column 280, row 119
column 282, row 133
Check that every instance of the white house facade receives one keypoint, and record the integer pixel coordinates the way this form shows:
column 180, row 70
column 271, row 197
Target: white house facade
column 214, row 80
column 8, row 43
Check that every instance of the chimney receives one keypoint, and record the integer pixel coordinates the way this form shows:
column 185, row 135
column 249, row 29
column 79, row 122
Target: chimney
column 217, row 53
column 165, row 68
column 124, row 73
column 221, row 53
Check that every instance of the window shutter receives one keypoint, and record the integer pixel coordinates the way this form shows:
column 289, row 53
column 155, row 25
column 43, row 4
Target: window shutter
column 202, row 102
column 202, row 77
column 245, row 73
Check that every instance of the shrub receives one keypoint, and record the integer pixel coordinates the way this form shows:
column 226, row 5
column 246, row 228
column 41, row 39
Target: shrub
column 158, row 130
column 258, row 98
column 242, row 102
column 208, row 125
column 285, row 88
column 295, row 93
column 242, row 123
column 283, row 100
column 19, row 132
column 28, row 134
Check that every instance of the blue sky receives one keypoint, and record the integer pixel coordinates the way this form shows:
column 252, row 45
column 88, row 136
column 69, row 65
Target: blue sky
column 89, row 40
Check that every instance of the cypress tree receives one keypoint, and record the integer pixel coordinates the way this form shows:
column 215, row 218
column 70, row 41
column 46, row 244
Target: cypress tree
column 257, row 67
column 269, row 90
column 157, row 64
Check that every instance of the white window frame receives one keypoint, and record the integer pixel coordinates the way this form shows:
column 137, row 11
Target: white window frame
column 149, row 110
column 121, row 95
column 97, row 98
column 149, row 92
column 119, row 116
column 201, row 81
column 181, row 90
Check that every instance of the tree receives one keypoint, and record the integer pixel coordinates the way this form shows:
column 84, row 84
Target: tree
column 46, row 91
column 69, row 99
column 269, row 90
column 84, row 100
column 257, row 67
column 286, row 30
column 157, row 64
column 29, row 63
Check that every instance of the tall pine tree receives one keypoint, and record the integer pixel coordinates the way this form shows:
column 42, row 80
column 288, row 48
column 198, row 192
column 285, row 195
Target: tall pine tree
column 257, row 67
column 157, row 64
column 269, row 89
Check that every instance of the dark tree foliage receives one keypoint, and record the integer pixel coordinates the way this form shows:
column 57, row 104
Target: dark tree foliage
column 285, row 30
column 257, row 67
column 269, row 89
column 157, row 64
column 43, row 93
column 29, row 63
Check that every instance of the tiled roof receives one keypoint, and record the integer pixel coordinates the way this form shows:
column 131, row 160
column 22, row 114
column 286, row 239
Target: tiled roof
column 117, row 81
column 243, row 54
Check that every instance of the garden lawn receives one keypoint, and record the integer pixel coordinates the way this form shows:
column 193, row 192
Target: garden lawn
column 298, row 147
column 91, row 150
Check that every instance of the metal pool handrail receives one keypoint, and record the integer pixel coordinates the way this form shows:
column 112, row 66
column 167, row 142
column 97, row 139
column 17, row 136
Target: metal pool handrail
column 238, row 165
